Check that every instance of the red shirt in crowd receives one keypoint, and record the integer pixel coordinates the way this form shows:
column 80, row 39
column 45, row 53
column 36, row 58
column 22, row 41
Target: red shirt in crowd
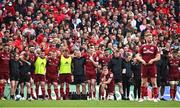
column 105, row 60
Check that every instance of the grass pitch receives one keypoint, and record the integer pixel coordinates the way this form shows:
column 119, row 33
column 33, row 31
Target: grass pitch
column 88, row 104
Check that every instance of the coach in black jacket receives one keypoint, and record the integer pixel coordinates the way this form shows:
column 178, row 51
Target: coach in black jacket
column 162, row 71
column 127, row 74
column 79, row 73
column 115, row 65
column 136, row 68
column 14, row 65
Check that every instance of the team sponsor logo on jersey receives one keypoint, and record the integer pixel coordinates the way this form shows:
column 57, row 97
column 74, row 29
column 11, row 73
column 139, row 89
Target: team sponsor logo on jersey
column 148, row 51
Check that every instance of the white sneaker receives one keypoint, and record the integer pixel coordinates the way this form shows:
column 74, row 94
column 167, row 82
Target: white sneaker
column 23, row 98
column 30, row 99
column 145, row 98
column 94, row 98
column 89, row 98
column 2, row 98
column 155, row 100
column 141, row 100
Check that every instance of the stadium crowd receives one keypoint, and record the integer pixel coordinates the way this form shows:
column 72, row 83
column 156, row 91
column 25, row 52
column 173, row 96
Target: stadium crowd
column 88, row 42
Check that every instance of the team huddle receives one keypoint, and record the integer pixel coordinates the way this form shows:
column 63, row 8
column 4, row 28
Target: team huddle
column 88, row 68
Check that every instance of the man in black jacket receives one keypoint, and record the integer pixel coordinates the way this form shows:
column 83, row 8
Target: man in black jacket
column 78, row 73
column 115, row 65
column 162, row 72
column 136, row 69
column 127, row 74
column 25, row 75
column 14, row 65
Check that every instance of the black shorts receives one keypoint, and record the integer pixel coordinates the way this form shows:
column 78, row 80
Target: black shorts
column 98, row 75
column 14, row 77
column 78, row 79
column 117, row 78
column 24, row 78
column 161, row 81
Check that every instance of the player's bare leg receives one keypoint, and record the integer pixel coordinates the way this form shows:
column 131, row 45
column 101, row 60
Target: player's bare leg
column 155, row 89
column 83, row 91
column 37, row 90
column 173, row 87
column 89, row 89
column 2, row 87
column 56, row 90
column 62, row 90
column 143, row 89
column 13, row 88
column 67, row 90
column 120, row 86
column 32, row 89
column 49, row 91
column 28, row 85
column 42, row 83
column 102, row 91
column 78, row 89
column 22, row 90
column 93, row 88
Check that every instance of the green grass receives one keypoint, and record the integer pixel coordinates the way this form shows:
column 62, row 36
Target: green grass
column 89, row 104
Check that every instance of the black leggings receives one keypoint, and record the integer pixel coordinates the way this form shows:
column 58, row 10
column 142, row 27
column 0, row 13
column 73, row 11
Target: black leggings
column 126, row 86
column 137, row 88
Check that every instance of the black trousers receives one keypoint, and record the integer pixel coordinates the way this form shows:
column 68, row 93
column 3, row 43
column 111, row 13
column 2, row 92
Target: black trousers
column 137, row 87
column 126, row 85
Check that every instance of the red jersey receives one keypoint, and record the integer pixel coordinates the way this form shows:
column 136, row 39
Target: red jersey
column 4, row 62
column 148, row 52
column 173, row 66
column 105, row 60
column 32, row 57
column 90, row 68
column 52, row 66
column 111, row 85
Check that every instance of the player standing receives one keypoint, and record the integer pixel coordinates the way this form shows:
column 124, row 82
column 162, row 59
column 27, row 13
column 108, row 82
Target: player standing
column 40, row 72
column 25, row 74
column 65, row 72
column 4, row 71
column 14, row 66
column 79, row 73
column 148, row 54
column 174, row 74
column 52, row 74
column 115, row 66
column 91, row 65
